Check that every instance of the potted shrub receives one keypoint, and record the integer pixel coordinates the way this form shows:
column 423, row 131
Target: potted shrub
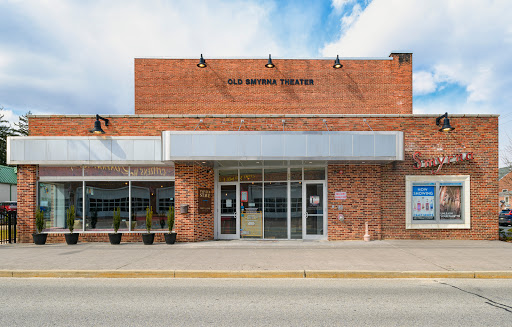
column 39, row 237
column 170, row 237
column 148, row 238
column 94, row 218
column 71, row 238
column 115, row 238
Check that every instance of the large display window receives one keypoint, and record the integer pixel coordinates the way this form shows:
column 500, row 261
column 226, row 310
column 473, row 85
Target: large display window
column 437, row 202
column 95, row 197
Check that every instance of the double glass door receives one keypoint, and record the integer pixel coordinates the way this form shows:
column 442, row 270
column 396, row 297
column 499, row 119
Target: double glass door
column 272, row 210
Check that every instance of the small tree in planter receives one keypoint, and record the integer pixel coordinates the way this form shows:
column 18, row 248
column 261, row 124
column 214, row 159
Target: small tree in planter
column 148, row 238
column 170, row 238
column 38, row 236
column 115, row 238
column 71, row 238
column 94, row 218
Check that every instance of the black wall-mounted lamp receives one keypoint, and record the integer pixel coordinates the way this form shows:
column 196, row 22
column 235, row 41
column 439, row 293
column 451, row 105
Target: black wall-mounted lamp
column 202, row 62
column 269, row 63
column 337, row 63
column 97, row 125
column 446, row 123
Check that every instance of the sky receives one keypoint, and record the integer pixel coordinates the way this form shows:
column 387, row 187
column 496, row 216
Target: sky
column 76, row 57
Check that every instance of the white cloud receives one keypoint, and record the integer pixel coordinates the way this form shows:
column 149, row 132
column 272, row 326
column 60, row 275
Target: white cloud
column 423, row 83
column 349, row 19
column 458, row 44
column 339, row 5
column 78, row 56
column 462, row 42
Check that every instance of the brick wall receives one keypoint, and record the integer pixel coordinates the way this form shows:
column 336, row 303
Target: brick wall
column 363, row 186
column 382, row 184
column 178, row 86
column 26, row 213
column 193, row 226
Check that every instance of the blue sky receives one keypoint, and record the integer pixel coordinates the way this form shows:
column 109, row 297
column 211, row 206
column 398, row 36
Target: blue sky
column 76, row 57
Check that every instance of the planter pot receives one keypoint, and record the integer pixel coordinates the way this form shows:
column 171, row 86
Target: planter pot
column 170, row 238
column 148, row 239
column 39, row 239
column 71, row 238
column 115, row 238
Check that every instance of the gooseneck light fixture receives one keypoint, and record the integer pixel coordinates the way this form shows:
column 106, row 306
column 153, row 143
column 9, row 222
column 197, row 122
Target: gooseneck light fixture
column 269, row 63
column 337, row 63
column 97, row 125
column 446, row 123
column 202, row 62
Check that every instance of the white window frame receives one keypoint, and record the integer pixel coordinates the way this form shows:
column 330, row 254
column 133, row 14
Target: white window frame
column 466, row 199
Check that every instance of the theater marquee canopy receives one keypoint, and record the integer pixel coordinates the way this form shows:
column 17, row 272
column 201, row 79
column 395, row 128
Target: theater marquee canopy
column 210, row 145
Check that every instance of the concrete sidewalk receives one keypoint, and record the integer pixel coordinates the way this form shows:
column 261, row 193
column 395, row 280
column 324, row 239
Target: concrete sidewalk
column 241, row 258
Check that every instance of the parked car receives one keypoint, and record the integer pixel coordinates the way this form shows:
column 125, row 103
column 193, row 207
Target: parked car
column 506, row 217
column 8, row 206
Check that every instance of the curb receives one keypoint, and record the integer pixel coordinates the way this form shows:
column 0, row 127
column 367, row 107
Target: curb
column 333, row 274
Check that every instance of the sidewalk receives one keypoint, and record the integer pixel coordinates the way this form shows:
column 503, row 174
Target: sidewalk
column 241, row 258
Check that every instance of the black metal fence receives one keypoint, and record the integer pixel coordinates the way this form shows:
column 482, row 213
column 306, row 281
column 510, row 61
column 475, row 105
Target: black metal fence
column 7, row 227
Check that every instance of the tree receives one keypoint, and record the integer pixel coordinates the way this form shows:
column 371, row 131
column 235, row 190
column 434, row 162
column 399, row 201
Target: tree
column 5, row 130
column 21, row 127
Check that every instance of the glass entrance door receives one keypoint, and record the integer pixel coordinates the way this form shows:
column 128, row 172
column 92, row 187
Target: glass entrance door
column 314, row 223
column 229, row 223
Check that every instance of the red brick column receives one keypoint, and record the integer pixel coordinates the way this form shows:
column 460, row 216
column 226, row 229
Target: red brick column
column 27, row 180
column 363, row 186
column 193, row 226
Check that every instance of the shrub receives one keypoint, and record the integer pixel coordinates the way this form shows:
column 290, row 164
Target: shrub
column 117, row 219
column 39, row 221
column 170, row 218
column 149, row 218
column 70, row 219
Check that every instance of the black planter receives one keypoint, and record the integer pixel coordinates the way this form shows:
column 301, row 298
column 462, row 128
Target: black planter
column 39, row 239
column 71, row 238
column 115, row 238
column 148, row 239
column 170, row 238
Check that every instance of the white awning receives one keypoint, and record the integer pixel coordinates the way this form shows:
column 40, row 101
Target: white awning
column 284, row 145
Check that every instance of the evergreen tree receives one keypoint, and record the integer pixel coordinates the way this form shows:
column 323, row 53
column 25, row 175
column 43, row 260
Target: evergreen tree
column 5, row 130
column 21, row 127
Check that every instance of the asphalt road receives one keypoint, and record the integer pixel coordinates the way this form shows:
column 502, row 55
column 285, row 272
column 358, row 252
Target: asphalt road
column 255, row 302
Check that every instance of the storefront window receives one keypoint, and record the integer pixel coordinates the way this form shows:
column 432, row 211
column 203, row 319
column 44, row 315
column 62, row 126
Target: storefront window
column 296, row 209
column 101, row 199
column 247, row 175
column 276, row 174
column 251, row 209
column 60, row 171
column 313, row 174
column 151, row 171
column 105, row 196
column 157, row 195
column 437, row 202
column 276, row 209
column 295, row 174
column 55, row 199
column 104, row 171
column 228, row 176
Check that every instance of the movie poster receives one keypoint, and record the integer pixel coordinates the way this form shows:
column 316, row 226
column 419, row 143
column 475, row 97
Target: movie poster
column 450, row 200
column 423, row 202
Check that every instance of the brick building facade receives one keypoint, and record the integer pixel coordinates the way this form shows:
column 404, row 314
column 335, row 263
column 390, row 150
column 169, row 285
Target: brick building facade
column 311, row 153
